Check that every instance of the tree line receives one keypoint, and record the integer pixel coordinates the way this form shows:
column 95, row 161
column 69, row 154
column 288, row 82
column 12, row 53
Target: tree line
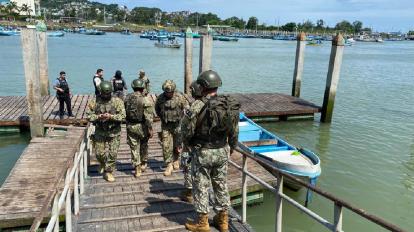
column 151, row 16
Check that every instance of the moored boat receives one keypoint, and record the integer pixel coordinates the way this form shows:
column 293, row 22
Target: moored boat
column 56, row 34
column 226, row 38
column 315, row 42
column 300, row 163
column 164, row 44
column 8, row 32
column 94, row 32
column 125, row 31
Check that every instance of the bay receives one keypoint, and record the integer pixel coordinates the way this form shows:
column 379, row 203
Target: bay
column 367, row 152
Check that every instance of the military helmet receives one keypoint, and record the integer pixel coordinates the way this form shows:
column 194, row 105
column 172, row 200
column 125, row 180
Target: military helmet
column 196, row 90
column 105, row 87
column 209, row 79
column 168, row 86
column 138, row 83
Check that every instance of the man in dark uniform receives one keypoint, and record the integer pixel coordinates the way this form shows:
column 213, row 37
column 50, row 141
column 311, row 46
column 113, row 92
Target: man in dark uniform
column 119, row 85
column 63, row 94
column 97, row 79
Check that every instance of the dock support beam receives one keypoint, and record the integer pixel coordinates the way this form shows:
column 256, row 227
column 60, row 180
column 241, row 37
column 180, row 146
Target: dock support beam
column 188, row 60
column 300, row 57
column 332, row 79
column 43, row 63
column 31, row 71
column 206, row 47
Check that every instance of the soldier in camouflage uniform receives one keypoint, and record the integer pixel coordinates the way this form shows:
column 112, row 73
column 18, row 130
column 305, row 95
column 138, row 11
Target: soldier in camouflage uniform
column 106, row 113
column 139, row 117
column 170, row 107
column 146, row 80
column 186, row 158
column 210, row 151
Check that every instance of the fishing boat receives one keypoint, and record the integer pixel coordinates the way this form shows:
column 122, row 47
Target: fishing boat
column 301, row 163
column 227, row 39
column 314, row 42
column 94, row 32
column 56, row 34
column 170, row 44
column 8, row 32
column 125, row 31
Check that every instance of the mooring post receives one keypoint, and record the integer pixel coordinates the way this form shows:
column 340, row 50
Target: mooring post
column 332, row 79
column 300, row 57
column 31, row 71
column 43, row 63
column 188, row 60
column 206, row 46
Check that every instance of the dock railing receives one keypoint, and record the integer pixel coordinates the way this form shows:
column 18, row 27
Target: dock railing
column 339, row 204
column 75, row 174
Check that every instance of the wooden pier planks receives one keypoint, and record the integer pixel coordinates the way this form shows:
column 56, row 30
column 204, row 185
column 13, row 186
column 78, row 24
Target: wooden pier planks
column 13, row 109
column 32, row 178
column 150, row 202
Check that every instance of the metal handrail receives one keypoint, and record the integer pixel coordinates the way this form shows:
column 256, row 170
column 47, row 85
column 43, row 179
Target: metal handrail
column 280, row 196
column 75, row 173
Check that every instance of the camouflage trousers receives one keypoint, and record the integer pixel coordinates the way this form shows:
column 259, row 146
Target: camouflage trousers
column 171, row 139
column 106, row 150
column 210, row 166
column 137, row 139
column 186, row 161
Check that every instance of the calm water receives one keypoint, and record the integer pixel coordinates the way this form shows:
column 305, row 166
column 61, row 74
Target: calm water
column 367, row 152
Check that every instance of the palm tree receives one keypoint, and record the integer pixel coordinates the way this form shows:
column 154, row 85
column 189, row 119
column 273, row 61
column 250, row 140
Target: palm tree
column 26, row 9
column 12, row 9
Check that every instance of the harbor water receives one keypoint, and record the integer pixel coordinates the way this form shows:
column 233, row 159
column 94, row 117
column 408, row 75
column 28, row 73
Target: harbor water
column 367, row 152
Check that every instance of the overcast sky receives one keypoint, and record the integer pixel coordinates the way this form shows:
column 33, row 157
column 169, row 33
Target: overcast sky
column 382, row 15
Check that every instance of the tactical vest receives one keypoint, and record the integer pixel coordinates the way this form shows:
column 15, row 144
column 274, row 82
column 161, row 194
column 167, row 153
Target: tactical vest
column 171, row 111
column 134, row 106
column 63, row 84
column 107, row 107
column 215, row 122
column 97, row 93
column 118, row 84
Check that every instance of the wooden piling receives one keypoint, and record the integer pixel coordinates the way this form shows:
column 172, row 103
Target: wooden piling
column 206, row 45
column 300, row 57
column 188, row 60
column 31, row 70
column 332, row 79
column 43, row 63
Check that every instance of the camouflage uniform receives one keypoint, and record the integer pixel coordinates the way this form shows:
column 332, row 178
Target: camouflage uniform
column 147, row 84
column 107, row 133
column 186, row 157
column 138, row 131
column 170, row 112
column 209, row 165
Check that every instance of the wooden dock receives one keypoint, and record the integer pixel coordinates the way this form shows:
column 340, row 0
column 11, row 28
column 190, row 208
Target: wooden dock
column 13, row 109
column 149, row 203
column 39, row 170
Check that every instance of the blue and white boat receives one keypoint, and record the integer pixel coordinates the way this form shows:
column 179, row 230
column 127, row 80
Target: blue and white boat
column 8, row 32
column 300, row 163
column 55, row 34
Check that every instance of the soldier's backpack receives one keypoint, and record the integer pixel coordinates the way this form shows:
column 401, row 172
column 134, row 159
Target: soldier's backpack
column 221, row 113
column 134, row 108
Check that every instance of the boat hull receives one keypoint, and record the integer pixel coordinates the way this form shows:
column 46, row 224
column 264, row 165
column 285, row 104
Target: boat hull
column 301, row 163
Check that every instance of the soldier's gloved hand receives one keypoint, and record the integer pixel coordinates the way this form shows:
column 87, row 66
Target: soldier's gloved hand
column 150, row 133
